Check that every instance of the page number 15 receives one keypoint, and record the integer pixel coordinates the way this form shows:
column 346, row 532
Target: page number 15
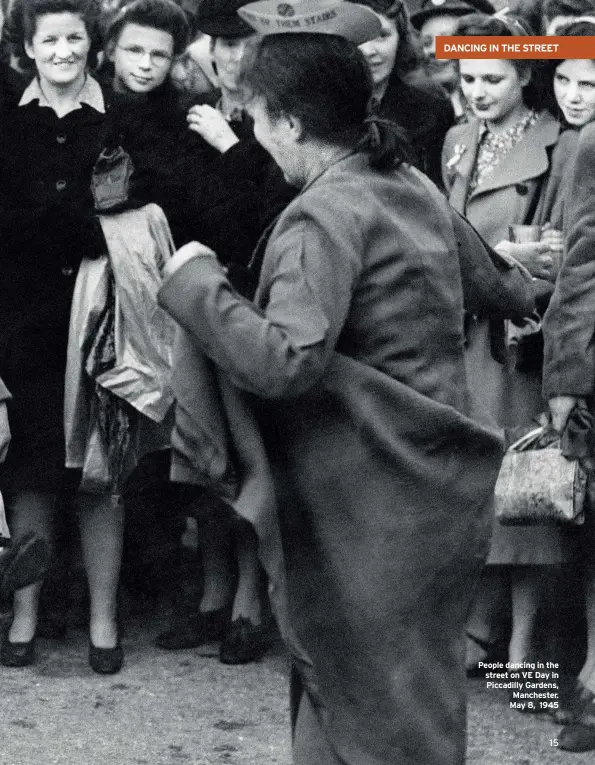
column 553, row 742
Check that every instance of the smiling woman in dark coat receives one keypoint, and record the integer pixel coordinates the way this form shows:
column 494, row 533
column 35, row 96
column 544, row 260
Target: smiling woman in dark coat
column 48, row 147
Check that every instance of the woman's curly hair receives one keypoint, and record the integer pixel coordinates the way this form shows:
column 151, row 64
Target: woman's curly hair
column 409, row 55
column 22, row 23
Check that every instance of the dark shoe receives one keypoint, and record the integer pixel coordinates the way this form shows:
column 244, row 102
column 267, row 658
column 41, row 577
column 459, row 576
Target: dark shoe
column 490, row 652
column 17, row 654
column 577, row 738
column 25, row 562
column 572, row 703
column 207, row 627
column 243, row 642
column 106, row 661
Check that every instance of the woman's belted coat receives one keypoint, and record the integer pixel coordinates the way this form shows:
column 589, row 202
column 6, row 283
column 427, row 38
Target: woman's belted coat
column 511, row 192
column 505, row 380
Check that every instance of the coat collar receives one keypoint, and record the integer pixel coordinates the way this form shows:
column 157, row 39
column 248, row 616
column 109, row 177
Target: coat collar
column 527, row 159
column 334, row 165
column 90, row 94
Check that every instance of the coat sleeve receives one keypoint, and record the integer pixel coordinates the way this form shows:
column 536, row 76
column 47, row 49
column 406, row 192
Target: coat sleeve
column 569, row 324
column 434, row 139
column 283, row 349
column 492, row 287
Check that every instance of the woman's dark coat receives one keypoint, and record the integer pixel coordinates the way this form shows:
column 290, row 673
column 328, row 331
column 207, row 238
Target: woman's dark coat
column 569, row 324
column 224, row 200
column 555, row 194
column 46, row 228
column 12, row 84
column 353, row 359
column 425, row 113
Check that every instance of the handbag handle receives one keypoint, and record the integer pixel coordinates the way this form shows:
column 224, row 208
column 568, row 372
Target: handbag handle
column 526, row 442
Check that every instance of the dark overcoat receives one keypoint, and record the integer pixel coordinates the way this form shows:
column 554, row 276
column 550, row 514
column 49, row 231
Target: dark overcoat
column 552, row 202
column 46, row 228
column 569, row 324
column 425, row 113
column 222, row 199
column 352, row 359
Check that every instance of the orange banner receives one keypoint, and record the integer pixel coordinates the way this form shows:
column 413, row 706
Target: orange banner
column 555, row 46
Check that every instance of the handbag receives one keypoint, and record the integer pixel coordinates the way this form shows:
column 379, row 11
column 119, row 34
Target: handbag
column 537, row 485
column 110, row 182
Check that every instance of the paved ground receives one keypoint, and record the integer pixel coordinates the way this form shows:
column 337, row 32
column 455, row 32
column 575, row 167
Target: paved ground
column 169, row 708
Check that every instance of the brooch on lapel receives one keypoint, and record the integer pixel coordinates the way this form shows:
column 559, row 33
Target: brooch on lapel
column 459, row 150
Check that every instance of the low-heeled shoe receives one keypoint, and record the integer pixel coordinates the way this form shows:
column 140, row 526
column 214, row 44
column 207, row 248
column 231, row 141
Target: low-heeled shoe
column 577, row 738
column 204, row 627
column 106, row 661
column 23, row 563
column 490, row 652
column 243, row 642
column 17, row 654
column 573, row 701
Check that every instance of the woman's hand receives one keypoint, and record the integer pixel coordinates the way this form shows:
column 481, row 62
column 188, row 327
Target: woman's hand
column 4, row 431
column 560, row 409
column 536, row 257
column 553, row 237
column 211, row 125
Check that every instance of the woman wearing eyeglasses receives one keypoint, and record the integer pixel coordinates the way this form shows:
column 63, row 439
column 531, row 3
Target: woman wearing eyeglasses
column 146, row 117
column 209, row 184
column 215, row 183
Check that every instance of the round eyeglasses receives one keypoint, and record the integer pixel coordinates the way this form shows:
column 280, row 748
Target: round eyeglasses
column 136, row 53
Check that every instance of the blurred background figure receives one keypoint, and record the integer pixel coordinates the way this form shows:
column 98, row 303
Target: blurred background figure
column 403, row 92
column 557, row 13
column 25, row 561
column 566, row 325
column 193, row 71
column 440, row 17
column 500, row 160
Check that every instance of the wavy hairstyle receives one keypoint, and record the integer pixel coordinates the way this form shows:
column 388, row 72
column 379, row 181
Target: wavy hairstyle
column 325, row 83
column 22, row 23
column 408, row 53
column 479, row 24
column 553, row 8
column 578, row 28
column 164, row 15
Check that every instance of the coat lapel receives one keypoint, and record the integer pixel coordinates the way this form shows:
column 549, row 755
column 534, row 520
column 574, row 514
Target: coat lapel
column 466, row 145
column 528, row 159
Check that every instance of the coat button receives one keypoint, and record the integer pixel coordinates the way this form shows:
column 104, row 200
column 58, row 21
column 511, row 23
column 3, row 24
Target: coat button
column 60, row 185
column 522, row 189
column 61, row 138
column 67, row 270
